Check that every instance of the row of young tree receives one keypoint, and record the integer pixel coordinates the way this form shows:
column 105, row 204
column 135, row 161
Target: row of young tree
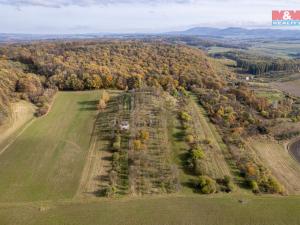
column 196, row 159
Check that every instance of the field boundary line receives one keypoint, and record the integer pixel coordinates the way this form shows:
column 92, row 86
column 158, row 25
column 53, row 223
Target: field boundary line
column 16, row 137
column 85, row 175
column 287, row 147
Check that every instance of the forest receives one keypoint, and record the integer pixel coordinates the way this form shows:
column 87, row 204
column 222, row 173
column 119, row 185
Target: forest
column 257, row 65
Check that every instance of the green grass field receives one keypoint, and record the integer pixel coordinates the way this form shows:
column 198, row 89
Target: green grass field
column 171, row 210
column 46, row 161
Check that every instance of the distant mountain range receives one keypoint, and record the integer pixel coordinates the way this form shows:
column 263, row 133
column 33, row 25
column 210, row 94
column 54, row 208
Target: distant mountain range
column 231, row 32
column 237, row 32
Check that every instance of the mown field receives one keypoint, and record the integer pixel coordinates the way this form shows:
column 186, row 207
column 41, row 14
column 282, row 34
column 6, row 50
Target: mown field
column 46, row 160
column 280, row 162
column 171, row 210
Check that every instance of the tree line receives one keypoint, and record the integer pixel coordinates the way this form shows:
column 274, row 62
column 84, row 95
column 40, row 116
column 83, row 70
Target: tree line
column 261, row 64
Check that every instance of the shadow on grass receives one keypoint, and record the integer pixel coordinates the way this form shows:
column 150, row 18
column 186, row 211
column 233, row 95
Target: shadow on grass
column 88, row 105
column 179, row 135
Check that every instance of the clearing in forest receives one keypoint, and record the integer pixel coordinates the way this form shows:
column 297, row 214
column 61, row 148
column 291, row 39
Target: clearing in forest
column 47, row 159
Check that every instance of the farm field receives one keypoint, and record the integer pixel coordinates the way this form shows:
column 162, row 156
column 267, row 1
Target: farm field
column 283, row 49
column 46, row 160
column 280, row 162
column 170, row 210
column 22, row 112
column 291, row 87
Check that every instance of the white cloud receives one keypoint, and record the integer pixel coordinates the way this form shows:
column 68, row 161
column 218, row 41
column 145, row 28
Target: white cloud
column 63, row 3
column 89, row 16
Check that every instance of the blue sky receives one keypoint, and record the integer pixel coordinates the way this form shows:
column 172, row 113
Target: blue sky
column 122, row 16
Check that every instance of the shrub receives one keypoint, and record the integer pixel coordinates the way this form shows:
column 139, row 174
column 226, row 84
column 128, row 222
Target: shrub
column 184, row 116
column 287, row 135
column 105, row 96
column 206, row 141
column 117, row 143
column 199, row 167
column 137, row 145
column 270, row 185
column 262, row 130
column 206, row 185
column 254, row 186
column 230, row 187
column 109, row 191
column 115, row 161
column 101, row 105
column 264, row 114
column 144, row 135
column 198, row 153
column 190, row 139
column 185, row 126
column 42, row 110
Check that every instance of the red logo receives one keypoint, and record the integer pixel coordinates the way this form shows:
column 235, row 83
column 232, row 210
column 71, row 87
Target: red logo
column 286, row 15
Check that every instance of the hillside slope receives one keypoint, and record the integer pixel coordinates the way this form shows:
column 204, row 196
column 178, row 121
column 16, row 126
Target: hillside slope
column 46, row 160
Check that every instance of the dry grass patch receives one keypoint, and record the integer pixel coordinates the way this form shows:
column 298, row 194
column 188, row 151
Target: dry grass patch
column 276, row 157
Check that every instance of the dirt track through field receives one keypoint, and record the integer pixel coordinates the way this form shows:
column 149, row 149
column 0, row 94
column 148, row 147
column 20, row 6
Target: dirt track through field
column 95, row 175
column 280, row 162
column 95, row 172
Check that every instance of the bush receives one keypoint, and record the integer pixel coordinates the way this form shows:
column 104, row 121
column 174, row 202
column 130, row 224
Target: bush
column 117, row 143
column 109, row 191
column 206, row 185
column 287, row 135
column 206, row 141
column 197, row 153
column 270, row 185
column 229, row 185
column 190, row 139
column 144, row 135
column 198, row 167
column 262, row 130
column 137, row 145
column 184, row 116
column 264, row 114
column 254, row 186
column 115, row 161
column 42, row 110
column 185, row 126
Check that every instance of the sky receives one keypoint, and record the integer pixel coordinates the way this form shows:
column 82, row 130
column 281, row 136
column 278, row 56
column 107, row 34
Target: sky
column 132, row 16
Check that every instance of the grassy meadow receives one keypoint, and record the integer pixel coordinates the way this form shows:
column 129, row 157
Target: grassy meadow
column 46, row 160
column 170, row 210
